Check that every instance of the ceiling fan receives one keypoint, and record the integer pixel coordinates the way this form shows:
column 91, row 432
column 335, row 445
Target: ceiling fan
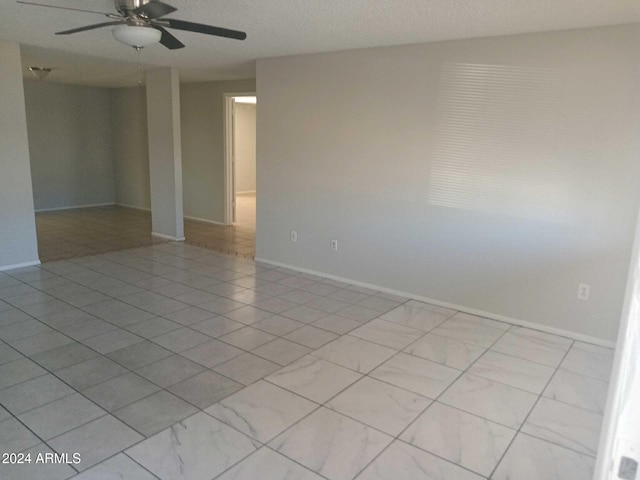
column 139, row 23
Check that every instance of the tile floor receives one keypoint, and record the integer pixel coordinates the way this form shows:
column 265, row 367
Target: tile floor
column 175, row 362
column 79, row 232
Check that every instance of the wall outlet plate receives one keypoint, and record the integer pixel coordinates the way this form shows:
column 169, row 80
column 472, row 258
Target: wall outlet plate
column 294, row 236
column 334, row 245
column 583, row 291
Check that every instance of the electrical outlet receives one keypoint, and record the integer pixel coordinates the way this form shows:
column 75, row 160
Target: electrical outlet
column 583, row 291
column 334, row 245
column 294, row 236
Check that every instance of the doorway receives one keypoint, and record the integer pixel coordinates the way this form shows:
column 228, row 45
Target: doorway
column 240, row 159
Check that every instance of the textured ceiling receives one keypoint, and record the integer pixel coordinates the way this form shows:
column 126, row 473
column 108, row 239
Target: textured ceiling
column 281, row 27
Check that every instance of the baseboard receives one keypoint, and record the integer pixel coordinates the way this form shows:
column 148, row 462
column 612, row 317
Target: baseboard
column 168, row 237
column 90, row 205
column 204, row 220
column 461, row 308
column 245, row 193
column 133, row 206
column 34, row 263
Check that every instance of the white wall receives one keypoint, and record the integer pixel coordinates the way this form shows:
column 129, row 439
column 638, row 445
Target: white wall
column 130, row 146
column 245, row 147
column 70, row 145
column 202, row 146
column 18, row 244
column 495, row 174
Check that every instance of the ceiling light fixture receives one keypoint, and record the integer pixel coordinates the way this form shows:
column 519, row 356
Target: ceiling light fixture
column 40, row 72
column 136, row 37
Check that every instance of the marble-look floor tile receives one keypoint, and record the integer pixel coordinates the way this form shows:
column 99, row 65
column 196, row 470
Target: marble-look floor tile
column 357, row 313
column 247, row 338
column 217, row 326
column 387, row 333
column 42, row 342
column 19, row 371
column 60, row 416
column 153, row 327
column 247, row 368
column 63, row 357
column 529, row 458
column 181, row 339
column 8, row 354
column 467, row 440
column 331, row 444
column 336, row 324
column 415, row 317
column 96, row 440
column 533, row 345
column 416, row 374
column 271, row 466
column 212, row 353
column 281, row 351
column 261, row 410
column 304, row 314
column 189, row 316
column 15, row 438
column 378, row 304
column 139, row 355
column 33, row 393
column 154, row 413
column 311, row 337
column 314, row 378
column 248, row 315
column 112, row 341
column 278, row 325
column 120, row 391
column 198, row 448
column 119, row 467
column 565, row 425
column 494, row 401
column 405, row 462
column 379, row 405
column 589, row 360
column 584, row 392
column 328, row 305
column 529, row 376
column 170, row 370
column 205, row 389
column 90, row 372
column 468, row 331
column 445, row 351
column 355, row 353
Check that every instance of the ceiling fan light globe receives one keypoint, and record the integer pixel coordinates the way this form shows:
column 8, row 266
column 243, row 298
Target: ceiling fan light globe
column 137, row 37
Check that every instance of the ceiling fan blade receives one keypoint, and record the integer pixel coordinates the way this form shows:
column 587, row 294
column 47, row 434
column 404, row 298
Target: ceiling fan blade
column 90, row 27
column 61, row 8
column 154, row 10
column 168, row 40
column 206, row 29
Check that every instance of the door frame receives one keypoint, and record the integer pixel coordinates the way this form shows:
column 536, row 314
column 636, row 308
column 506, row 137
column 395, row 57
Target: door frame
column 228, row 137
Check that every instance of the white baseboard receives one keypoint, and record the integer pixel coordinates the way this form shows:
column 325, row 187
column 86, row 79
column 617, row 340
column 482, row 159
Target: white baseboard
column 167, row 237
column 133, row 206
column 34, row 263
column 245, row 193
column 461, row 308
column 204, row 220
column 90, row 205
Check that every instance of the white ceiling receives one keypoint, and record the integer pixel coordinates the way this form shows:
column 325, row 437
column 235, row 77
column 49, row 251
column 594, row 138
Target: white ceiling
column 280, row 27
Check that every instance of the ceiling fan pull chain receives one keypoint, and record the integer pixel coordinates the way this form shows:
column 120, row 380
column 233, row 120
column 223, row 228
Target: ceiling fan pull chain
column 139, row 66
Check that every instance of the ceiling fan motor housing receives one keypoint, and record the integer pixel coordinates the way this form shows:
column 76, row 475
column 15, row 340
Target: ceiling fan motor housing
column 125, row 7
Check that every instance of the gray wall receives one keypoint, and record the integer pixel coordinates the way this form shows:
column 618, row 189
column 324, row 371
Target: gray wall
column 202, row 146
column 18, row 243
column 494, row 174
column 70, row 144
column 130, row 146
column 245, row 147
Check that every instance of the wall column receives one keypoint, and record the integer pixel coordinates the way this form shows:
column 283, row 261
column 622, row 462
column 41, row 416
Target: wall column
column 18, row 241
column 165, row 153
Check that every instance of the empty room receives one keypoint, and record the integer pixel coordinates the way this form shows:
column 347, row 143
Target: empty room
column 323, row 240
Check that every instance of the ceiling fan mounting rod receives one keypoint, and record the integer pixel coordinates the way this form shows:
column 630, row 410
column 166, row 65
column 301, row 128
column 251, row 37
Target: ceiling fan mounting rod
column 126, row 7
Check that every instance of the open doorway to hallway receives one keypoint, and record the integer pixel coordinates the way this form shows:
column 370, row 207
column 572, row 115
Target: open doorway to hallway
column 244, row 161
